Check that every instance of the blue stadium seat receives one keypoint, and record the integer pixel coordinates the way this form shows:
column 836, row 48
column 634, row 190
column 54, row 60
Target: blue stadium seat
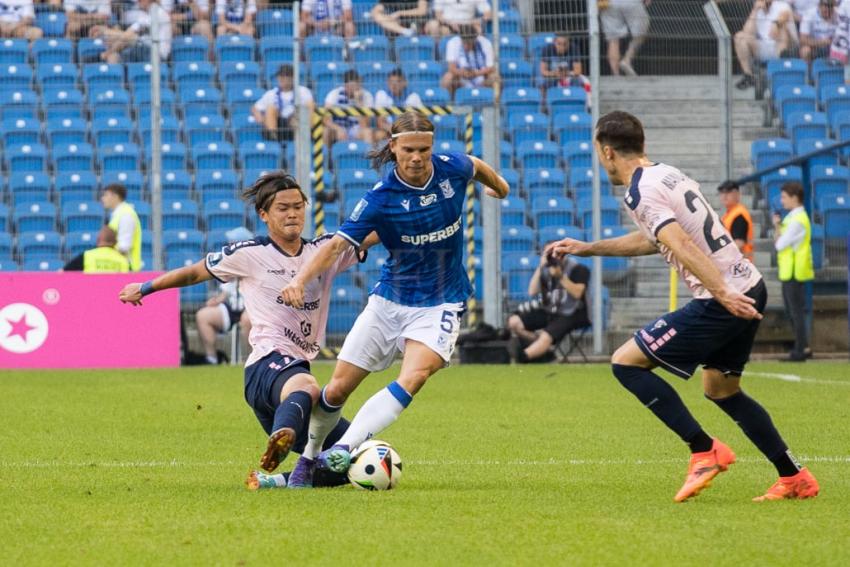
column 260, row 155
column 319, row 48
column 513, row 211
column 518, row 267
column 609, row 206
column 176, row 185
column 827, row 72
column 841, row 129
column 42, row 264
column 811, row 145
column 224, row 214
column 205, row 128
column 33, row 217
column 63, row 103
column 517, row 239
column 120, row 157
column 510, row 21
column 566, row 99
column 346, row 304
column 103, row 76
column 836, row 99
column 770, row 151
column 85, row 216
column 511, row 46
column 132, row 180
column 818, row 237
column 786, row 72
column 239, row 73
column 547, row 182
column 191, row 294
column 57, row 76
column 552, row 211
column 5, row 246
column 29, row 157
column 371, row 48
column 168, row 105
column 246, row 129
column 28, row 188
column 197, row 101
column 170, row 131
column 240, row 98
column 771, row 184
column 51, row 23
column 77, row 242
column 72, row 157
column 16, row 76
column 52, row 50
column 572, row 127
column 525, row 127
column 415, row 48
column 516, row 73
column 188, row 241
column 113, row 130
column 578, row 155
column 581, row 183
column 275, row 24
column 374, row 74
column 446, row 126
column 67, row 131
column 835, row 211
column 802, row 125
column 474, row 96
column 18, row 103
column 20, row 131
column 424, row 72
column 553, row 233
column 173, row 156
column 276, row 51
column 213, row 155
column 76, row 186
column 89, row 50
column 795, row 98
column 8, row 265
column 199, row 74
column 614, row 268
column 189, row 48
column 539, row 154
column 355, row 182
column 181, row 215
column 139, row 76
column 14, row 51
column 349, row 154
column 328, row 72
column 234, row 48
column 432, row 95
column 829, row 180
column 4, row 218
column 445, row 146
column 145, row 214
column 521, row 100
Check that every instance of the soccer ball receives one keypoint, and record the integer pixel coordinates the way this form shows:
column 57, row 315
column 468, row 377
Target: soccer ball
column 375, row 466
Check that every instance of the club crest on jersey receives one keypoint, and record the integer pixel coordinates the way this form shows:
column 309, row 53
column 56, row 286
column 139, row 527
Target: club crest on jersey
column 406, row 204
column 306, row 328
column 444, row 157
column 429, row 199
column 447, row 189
column 358, row 210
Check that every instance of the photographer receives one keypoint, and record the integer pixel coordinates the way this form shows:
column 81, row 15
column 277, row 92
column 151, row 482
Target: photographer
column 559, row 289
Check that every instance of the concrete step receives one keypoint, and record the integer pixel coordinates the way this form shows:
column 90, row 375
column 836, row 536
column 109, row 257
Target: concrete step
column 693, row 87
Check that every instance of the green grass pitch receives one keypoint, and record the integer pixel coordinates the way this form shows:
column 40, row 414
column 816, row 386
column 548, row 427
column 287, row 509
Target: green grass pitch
column 503, row 465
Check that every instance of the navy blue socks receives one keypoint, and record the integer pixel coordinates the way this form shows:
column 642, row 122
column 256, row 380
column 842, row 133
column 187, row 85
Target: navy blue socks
column 665, row 403
column 293, row 412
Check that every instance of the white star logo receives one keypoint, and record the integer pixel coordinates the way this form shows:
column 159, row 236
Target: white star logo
column 23, row 328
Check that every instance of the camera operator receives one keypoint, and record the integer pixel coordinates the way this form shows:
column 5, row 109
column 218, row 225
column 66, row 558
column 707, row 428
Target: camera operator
column 559, row 304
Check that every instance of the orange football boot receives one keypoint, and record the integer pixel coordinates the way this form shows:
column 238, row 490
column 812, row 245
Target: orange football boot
column 280, row 442
column 800, row 486
column 703, row 468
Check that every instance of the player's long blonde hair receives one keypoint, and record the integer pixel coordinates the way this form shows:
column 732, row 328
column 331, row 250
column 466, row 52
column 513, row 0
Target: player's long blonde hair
column 410, row 121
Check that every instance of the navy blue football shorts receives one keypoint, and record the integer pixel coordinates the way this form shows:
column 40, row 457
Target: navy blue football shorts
column 703, row 333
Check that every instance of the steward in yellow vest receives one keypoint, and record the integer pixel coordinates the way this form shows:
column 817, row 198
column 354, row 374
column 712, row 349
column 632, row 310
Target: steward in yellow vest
column 104, row 259
column 126, row 224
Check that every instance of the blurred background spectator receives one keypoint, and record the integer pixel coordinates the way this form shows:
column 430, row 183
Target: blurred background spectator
column 235, row 17
column 560, row 65
column 190, row 17
column 817, row 29
column 768, row 31
column 102, row 259
column 623, row 19
column 450, row 15
column 470, row 60
column 133, row 44
column 83, row 15
column 401, row 17
column 327, row 17
column 16, row 20
column 275, row 110
column 350, row 93
column 396, row 94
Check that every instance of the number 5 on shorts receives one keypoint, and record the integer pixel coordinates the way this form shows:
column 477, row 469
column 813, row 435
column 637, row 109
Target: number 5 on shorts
column 447, row 322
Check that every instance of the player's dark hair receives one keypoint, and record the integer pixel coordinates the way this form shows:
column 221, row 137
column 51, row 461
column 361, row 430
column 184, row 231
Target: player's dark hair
column 622, row 131
column 794, row 189
column 262, row 192
column 117, row 189
column 410, row 121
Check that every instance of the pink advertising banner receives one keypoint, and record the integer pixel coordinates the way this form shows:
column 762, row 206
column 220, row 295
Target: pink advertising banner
column 75, row 320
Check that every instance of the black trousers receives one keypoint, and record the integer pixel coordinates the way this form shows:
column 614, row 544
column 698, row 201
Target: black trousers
column 794, row 297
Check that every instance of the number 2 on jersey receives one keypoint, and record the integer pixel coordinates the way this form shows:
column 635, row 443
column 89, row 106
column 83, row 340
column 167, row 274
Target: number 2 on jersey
column 714, row 244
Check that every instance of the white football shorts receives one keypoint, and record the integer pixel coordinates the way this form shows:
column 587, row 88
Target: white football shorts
column 380, row 331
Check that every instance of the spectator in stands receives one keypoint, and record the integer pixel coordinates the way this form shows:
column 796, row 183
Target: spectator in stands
column 133, row 44
column 621, row 19
column 103, row 259
column 125, row 222
column 351, row 93
column 450, row 15
column 817, row 30
column 400, row 17
column 768, row 31
column 840, row 47
column 235, row 17
column 190, row 17
column 737, row 219
column 83, row 15
column 470, row 59
column 327, row 17
column 559, row 289
column 560, row 65
column 802, row 7
column 793, row 236
column 225, row 310
column 275, row 111
column 396, row 94
column 16, row 20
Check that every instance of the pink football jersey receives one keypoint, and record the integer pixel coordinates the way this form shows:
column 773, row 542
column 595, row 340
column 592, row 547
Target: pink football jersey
column 263, row 271
column 661, row 194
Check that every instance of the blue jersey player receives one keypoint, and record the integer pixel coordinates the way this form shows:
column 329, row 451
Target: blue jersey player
column 417, row 211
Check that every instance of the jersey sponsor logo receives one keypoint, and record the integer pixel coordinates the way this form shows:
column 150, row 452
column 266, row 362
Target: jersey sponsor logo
column 447, row 189
column 358, row 210
column 290, row 273
column 436, row 236
column 406, row 204
column 742, row 270
column 309, row 306
column 429, row 199
column 306, row 328
column 300, row 342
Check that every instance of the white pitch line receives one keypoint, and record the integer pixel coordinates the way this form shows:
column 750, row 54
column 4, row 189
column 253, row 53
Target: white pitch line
column 795, row 378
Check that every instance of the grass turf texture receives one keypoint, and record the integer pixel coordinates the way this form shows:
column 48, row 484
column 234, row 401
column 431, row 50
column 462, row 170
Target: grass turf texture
column 503, row 465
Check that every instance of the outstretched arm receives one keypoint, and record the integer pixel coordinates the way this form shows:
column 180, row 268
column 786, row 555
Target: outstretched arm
column 181, row 277
column 293, row 293
column 632, row 244
column 495, row 184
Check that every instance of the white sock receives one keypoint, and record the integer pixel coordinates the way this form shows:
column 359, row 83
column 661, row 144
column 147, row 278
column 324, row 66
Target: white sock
column 212, row 359
column 322, row 421
column 379, row 412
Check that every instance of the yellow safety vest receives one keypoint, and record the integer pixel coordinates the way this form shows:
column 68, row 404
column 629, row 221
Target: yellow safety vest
column 104, row 259
column 795, row 262
column 134, row 255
